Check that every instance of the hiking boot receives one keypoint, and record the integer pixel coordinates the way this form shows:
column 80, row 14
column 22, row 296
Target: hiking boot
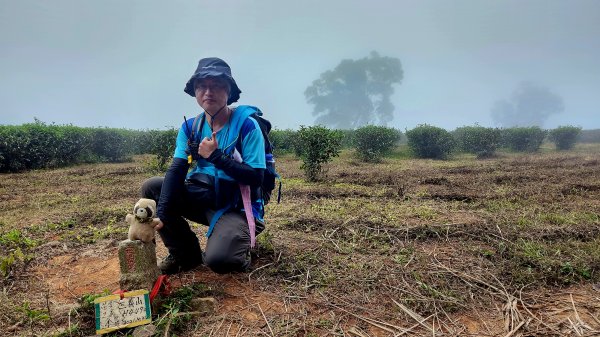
column 170, row 265
column 247, row 263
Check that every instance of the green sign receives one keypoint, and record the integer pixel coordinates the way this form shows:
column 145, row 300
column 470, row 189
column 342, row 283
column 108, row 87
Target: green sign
column 114, row 313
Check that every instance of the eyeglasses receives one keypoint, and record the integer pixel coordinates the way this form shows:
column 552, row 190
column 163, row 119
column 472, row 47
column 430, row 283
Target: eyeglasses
column 215, row 86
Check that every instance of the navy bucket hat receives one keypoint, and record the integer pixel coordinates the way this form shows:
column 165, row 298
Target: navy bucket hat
column 214, row 67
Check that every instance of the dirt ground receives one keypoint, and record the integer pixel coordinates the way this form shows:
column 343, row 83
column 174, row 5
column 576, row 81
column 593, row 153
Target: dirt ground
column 464, row 247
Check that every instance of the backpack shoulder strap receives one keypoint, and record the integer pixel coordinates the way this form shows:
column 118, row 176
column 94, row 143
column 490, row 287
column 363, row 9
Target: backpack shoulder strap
column 198, row 121
column 265, row 128
column 241, row 113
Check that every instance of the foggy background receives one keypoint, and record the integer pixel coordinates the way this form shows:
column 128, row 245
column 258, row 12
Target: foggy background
column 125, row 63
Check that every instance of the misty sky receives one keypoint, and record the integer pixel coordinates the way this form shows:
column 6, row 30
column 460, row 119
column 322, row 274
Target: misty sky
column 125, row 63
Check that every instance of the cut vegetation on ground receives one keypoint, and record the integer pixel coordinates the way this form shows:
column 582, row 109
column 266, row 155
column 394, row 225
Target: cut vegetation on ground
column 498, row 247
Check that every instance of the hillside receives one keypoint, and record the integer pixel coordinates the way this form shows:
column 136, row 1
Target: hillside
column 501, row 247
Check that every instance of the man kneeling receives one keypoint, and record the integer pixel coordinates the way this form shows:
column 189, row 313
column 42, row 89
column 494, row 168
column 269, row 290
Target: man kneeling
column 224, row 147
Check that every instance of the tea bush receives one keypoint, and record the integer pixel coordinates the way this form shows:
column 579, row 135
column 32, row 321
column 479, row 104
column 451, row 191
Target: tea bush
column 38, row 145
column 479, row 140
column 347, row 140
column 112, row 145
column 373, row 142
column 42, row 144
column 317, row 145
column 13, row 146
column 140, row 141
column 283, row 140
column 523, row 139
column 73, row 141
column 426, row 141
column 565, row 137
column 162, row 145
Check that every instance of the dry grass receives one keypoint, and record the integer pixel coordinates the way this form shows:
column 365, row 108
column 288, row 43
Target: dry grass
column 501, row 247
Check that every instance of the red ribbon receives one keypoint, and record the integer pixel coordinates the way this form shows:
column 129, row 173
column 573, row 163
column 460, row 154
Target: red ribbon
column 162, row 280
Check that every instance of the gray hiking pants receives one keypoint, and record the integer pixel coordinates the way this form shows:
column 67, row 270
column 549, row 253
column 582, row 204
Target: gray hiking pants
column 227, row 248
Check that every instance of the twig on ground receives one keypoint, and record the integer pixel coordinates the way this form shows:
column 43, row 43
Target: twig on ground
column 532, row 315
column 15, row 326
column 513, row 331
column 191, row 313
column 582, row 323
column 452, row 321
column 306, row 285
column 463, row 276
column 412, row 256
column 595, row 318
column 240, row 329
column 410, row 328
column 356, row 331
column 218, row 327
column 68, row 287
column 257, row 269
column 47, row 295
column 574, row 327
column 511, row 314
column 374, row 322
column 355, row 306
column 500, row 231
column 266, row 320
column 414, row 315
column 166, row 334
column 228, row 328
column 335, row 244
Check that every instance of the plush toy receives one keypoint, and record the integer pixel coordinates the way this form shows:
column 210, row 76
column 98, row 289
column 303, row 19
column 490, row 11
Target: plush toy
column 142, row 221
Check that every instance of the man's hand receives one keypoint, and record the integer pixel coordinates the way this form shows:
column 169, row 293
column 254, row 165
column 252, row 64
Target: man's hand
column 208, row 145
column 158, row 224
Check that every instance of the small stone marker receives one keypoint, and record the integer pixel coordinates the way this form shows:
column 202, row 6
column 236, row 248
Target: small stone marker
column 114, row 313
column 138, row 265
column 144, row 331
column 205, row 305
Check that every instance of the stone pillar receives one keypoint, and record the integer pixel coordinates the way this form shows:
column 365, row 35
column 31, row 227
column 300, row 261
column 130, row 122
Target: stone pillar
column 138, row 265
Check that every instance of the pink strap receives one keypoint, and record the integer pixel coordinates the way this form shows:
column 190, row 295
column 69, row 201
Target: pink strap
column 245, row 189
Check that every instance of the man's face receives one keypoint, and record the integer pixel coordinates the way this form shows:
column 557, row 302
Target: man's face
column 212, row 93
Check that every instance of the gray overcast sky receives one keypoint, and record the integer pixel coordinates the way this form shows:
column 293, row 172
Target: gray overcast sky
column 124, row 63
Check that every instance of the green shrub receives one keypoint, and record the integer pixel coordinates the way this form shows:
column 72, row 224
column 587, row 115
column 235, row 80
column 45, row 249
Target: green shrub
column 41, row 146
column 427, row 141
column 112, row 145
column 477, row 139
column 141, row 141
column 523, row 139
column 283, row 140
column 13, row 148
column 347, row 140
column 72, row 141
column 15, row 250
column 565, row 137
column 317, row 145
column 37, row 145
column 162, row 145
column 373, row 142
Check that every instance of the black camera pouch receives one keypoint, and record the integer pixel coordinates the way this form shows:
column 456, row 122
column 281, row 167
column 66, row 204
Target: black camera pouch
column 200, row 189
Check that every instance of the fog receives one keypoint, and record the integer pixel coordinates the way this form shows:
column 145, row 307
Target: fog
column 125, row 63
